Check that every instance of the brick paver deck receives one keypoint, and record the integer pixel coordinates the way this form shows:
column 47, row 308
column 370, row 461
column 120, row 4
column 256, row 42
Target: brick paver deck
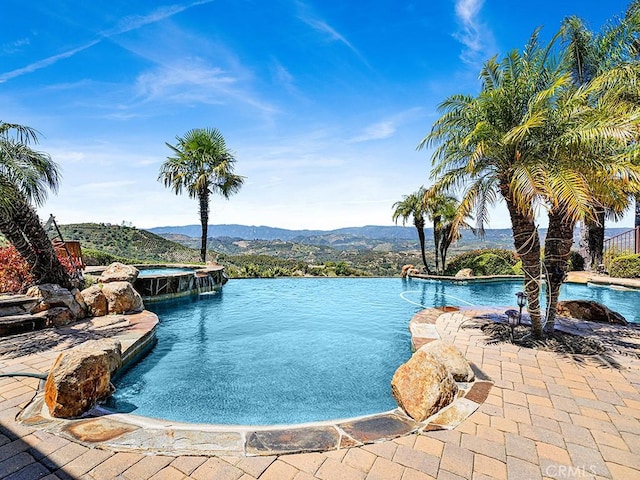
column 547, row 416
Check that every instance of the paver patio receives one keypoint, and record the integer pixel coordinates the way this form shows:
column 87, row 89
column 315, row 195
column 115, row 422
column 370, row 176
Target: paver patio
column 547, row 416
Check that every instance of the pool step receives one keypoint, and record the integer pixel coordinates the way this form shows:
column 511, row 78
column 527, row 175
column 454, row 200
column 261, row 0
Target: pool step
column 17, row 305
column 14, row 324
column 16, row 317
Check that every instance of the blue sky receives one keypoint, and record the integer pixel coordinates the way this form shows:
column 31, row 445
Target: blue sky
column 323, row 102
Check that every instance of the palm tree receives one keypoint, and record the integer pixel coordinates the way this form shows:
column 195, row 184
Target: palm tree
column 413, row 206
column 588, row 138
column 25, row 176
column 590, row 55
column 482, row 149
column 202, row 165
column 536, row 140
column 442, row 209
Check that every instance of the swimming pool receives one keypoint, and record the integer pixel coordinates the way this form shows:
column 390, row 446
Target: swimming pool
column 162, row 271
column 280, row 351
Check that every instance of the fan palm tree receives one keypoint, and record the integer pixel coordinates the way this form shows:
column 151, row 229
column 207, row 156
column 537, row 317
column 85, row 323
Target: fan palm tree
column 25, row 177
column 203, row 165
column 590, row 55
column 412, row 206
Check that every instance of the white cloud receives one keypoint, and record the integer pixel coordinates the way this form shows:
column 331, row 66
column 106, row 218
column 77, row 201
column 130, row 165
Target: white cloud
column 473, row 34
column 125, row 25
column 319, row 25
column 386, row 128
column 194, row 82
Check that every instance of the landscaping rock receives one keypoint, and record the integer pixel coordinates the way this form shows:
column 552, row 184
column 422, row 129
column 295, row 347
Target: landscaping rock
column 81, row 377
column 95, row 300
column 52, row 295
column 119, row 272
column 122, row 297
column 57, row 316
column 452, row 358
column 406, row 268
column 423, row 385
column 464, row 273
column 590, row 311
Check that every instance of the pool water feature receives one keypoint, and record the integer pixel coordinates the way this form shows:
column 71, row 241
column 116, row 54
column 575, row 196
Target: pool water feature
column 159, row 283
column 282, row 351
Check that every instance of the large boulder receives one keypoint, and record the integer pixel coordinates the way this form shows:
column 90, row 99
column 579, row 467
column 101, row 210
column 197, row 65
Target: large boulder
column 464, row 273
column 452, row 358
column 95, row 300
column 57, row 316
column 119, row 272
column 423, row 385
column 81, row 377
column 52, row 295
column 122, row 297
column 590, row 311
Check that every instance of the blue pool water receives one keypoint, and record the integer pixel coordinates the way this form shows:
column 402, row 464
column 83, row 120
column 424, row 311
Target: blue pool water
column 274, row 351
column 162, row 271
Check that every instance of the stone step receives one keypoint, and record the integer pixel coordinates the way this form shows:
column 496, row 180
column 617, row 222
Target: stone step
column 16, row 305
column 13, row 324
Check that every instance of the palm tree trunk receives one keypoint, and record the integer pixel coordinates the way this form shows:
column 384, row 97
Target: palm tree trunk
column 527, row 244
column 203, row 200
column 592, row 240
column 21, row 226
column 557, row 248
column 436, row 241
column 420, row 227
column 637, row 218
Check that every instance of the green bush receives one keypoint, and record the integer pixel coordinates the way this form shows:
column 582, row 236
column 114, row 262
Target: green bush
column 487, row 261
column 625, row 266
column 576, row 261
column 93, row 257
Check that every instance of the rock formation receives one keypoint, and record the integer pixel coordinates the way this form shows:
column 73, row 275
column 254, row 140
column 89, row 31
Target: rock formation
column 452, row 358
column 81, row 377
column 51, row 295
column 122, row 298
column 590, row 311
column 423, row 385
column 119, row 272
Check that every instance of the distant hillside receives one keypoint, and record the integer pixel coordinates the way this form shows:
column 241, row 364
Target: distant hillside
column 370, row 237
column 128, row 242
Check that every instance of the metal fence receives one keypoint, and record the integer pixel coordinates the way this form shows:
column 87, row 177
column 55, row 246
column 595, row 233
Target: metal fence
column 624, row 243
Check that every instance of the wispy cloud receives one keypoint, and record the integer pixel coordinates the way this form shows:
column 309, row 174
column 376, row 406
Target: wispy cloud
column 473, row 34
column 307, row 16
column 196, row 82
column 125, row 25
column 386, row 128
column 15, row 46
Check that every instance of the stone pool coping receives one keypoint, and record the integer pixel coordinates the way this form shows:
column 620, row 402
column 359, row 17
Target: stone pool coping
column 131, row 433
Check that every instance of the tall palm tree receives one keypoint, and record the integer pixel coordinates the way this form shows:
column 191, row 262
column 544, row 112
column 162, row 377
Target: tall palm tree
column 203, row 165
column 442, row 209
column 482, row 149
column 25, row 177
column 588, row 137
column 590, row 55
column 536, row 140
column 412, row 206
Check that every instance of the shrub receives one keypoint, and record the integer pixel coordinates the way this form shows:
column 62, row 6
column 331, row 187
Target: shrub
column 487, row 261
column 576, row 261
column 93, row 257
column 15, row 276
column 625, row 266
